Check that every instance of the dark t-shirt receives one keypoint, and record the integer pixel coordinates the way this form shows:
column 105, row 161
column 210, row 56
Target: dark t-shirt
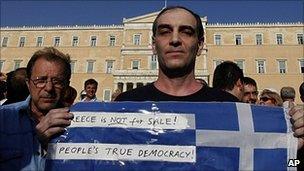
column 151, row 93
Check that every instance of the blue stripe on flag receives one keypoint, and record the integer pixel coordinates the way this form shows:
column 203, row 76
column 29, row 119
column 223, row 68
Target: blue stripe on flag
column 273, row 159
column 264, row 116
column 217, row 158
column 95, row 165
column 130, row 136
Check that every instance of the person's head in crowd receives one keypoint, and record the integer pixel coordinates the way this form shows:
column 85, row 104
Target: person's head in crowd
column 115, row 94
column 288, row 94
column 90, row 87
column 189, row 43
column 17, row 89
column 3, row 88
column 301, row 90
column 69, row 96
column 250, row 91
column 229, row 77
column 48, row 73
column 270, row 98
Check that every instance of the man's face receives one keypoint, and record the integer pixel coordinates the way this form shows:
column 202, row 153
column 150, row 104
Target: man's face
column 250, row 94
column 176, row 42
column 46, row 96
column 90, row 90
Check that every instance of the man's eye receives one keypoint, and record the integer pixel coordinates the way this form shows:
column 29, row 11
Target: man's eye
column 164, row 31
column 57, row 81
column 40, row 81
column 188, row 32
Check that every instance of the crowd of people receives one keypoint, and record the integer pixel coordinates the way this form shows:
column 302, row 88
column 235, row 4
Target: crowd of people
column 29, row 121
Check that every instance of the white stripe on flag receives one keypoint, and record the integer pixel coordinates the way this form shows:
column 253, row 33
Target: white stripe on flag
column 292, row 141
column 246, row 139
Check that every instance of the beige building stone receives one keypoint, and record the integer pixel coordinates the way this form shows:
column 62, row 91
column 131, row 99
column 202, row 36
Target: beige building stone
column 120, row 56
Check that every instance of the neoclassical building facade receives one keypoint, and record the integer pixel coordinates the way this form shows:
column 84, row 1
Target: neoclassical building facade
column 120, row 56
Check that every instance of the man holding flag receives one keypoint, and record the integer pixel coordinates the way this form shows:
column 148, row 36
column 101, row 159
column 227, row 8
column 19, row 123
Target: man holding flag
column 178, row 37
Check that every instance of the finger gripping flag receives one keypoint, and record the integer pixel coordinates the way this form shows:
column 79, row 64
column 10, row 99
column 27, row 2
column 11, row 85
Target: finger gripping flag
column 173, row 136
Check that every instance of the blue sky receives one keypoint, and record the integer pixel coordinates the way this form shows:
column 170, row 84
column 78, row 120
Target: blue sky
column 35, row 13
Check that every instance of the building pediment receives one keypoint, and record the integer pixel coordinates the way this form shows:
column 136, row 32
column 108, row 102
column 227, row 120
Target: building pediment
column 147, row 18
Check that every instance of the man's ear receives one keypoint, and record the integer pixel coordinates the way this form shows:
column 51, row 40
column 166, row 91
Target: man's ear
column 27, row 81
column 200, row 47
column 240, row 84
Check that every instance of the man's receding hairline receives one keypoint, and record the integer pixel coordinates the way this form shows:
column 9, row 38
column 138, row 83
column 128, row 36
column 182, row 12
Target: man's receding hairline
column 175, row 9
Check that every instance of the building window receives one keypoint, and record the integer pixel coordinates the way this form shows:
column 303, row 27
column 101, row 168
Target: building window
column 39, row 41
column 154, row 62
column 261, row 66
column 139, row 84
column 1, row 64
column 93, row 41
column 75, row 41
column 107, row 95
column 120, row 86
column 135, row 64
column 112, row 40
column 129, row 86
column 4, row 41
column 282, row 66
column 300, row 39
column 17, row 64
column 240, row 64
column 259, row 39
column 216, row 63
column 217, row 39
column 22, row 42
column 56, row 41
column 90, row 66
column 279, row 39
column 136, row 39
column 238, row 39
column 301, row 61
column 109, row 66
column 73, row 63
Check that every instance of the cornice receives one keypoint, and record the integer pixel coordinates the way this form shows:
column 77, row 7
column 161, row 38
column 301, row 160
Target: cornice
column 58, row 27
column 257, row 24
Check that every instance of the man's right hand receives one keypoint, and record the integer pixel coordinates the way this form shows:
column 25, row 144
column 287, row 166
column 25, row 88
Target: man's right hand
column 297, row 121
column 52, row 123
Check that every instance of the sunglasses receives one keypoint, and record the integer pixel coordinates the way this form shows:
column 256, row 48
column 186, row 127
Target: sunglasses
column 265, row 99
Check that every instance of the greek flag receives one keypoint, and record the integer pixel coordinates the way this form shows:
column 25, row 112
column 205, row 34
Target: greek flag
column 173, row 136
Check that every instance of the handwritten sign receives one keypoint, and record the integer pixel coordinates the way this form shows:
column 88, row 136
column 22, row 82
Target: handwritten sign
column 133, row 120
column 94, row 151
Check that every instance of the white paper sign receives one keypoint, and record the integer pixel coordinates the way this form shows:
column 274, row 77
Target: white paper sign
column 94, row 151
column 133, row 120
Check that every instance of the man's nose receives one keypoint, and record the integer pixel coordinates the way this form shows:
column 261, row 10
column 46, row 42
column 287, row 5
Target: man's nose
column 175, row 39
column 49, row 86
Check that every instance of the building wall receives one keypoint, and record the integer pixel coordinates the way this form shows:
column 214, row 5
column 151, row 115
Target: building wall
column 125, row 51
column 290, row 51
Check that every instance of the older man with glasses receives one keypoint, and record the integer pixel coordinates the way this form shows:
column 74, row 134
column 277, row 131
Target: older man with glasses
column 27, row 126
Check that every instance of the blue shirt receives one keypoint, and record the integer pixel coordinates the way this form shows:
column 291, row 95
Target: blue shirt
column 19, row 146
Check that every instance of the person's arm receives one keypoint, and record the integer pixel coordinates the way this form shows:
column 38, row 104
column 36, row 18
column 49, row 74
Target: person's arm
column 297, row 121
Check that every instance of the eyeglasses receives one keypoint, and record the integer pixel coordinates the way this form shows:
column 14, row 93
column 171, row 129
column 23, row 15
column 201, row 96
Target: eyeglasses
column 265, row 99
column 40, row 82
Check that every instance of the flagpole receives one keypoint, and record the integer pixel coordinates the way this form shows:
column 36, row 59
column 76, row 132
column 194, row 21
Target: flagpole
column 165, row 6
